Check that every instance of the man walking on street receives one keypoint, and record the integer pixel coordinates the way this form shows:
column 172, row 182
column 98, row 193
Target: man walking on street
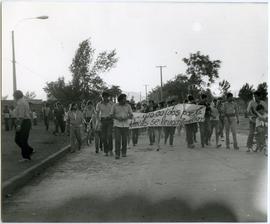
column 205, row 126
column 251, row 110
column 230, row 111
column 46, row 113
column 75, row 120
column 121, row 112
column 23, row 125
column 103, row 110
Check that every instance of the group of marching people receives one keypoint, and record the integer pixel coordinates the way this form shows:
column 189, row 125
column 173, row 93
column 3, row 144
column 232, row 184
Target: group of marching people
column 100, row 121
column 223, row 113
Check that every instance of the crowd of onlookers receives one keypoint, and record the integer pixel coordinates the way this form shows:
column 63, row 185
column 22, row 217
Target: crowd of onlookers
column 106, row 119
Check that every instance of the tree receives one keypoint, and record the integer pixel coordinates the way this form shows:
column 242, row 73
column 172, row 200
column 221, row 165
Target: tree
column 30, row 95
column 224, row 87
column 246, row 94
column 262, row 89
column 86, row 82
column 201, row 70
column 65, row 93
column 114, row 91
column 86, row 68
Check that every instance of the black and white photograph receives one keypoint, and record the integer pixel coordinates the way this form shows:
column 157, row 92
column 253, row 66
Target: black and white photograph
column 140, row 111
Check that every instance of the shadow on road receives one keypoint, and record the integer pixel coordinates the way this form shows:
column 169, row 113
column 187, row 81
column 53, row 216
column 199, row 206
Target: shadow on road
column 129, row 208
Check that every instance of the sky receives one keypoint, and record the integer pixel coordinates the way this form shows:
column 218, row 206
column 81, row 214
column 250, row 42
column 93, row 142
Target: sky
column 144, row 34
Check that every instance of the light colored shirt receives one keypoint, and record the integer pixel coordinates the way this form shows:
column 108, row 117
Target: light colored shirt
column 88, row 111
column 251, row 109
column 12, row 113
column 230, row 109
column 75, row 118
column 261, row 120
column 104, row 109
column 122, row 112
column 46, row 111
column 22, row 109
column 34, row 115
column 214, row 114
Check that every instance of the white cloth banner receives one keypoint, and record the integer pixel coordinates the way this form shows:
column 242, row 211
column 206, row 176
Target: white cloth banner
column 170, row 116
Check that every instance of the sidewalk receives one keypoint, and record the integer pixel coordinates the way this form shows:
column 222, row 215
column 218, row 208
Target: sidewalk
column 45, row 144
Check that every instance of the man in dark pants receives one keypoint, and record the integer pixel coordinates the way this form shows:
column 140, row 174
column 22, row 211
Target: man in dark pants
column 121, row 113
column 169, row 131
column 23, row 125
column 205, row 126
column 103, row 110
column 59, row 118
column 46, row 114
column 190, row 128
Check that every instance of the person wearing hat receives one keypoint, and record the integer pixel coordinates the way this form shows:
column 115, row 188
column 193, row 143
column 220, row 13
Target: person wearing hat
column 23, row 125
column 103, row 110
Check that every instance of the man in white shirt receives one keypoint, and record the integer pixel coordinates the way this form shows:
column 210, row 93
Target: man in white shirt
column 121, row 113
column 103, row 110
column 23, row 125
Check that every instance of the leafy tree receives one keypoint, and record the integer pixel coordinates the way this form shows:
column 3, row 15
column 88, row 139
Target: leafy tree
column 86, row 68
column 86, row 82
column 114, row 91
column 66, row 93
column 262, row 89
column 201, row 70
column 224, row 87
column 30, row 95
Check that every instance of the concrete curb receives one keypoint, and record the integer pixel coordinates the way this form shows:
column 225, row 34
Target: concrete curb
column 18, row 181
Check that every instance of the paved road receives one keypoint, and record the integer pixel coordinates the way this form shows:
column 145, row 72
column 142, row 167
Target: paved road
column 174, row 184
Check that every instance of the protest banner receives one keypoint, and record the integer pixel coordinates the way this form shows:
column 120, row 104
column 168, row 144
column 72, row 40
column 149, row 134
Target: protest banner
column 170, row 116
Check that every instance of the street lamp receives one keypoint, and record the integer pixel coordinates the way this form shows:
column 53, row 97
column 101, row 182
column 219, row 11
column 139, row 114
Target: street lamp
column 13, row 51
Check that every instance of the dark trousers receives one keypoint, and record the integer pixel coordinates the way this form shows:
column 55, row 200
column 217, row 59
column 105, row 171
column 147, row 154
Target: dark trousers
column 151, row 134
column 12, row 125
column 135, row 136
column 59, row 123
column 252, row 126
column 46, row 122
column 189, row 134
column 98, row 141
column 205, row 128
column 169, row 133
column 121, row 135
column 106, row 132
column 221, row 127
column 7, row 124
column 21, row 139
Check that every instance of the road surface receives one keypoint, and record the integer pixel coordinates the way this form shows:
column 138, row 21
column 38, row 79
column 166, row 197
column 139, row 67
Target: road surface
column 173, row 184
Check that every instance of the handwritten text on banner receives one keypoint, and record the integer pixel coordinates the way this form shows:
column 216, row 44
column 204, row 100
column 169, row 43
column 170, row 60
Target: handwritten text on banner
column 170, row 116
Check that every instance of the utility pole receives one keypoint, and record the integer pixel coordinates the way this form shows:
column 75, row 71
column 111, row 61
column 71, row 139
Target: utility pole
column 161, row 84
column 146, row 92
column 140, row 96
